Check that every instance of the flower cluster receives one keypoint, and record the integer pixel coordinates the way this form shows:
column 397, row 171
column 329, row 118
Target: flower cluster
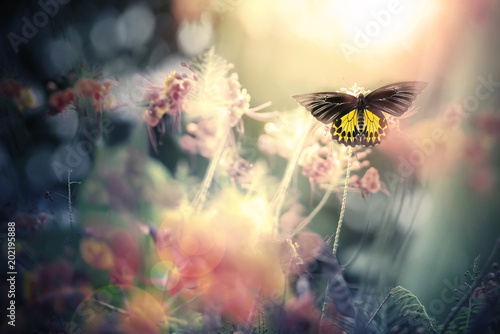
column 94, row 91
column 22, row 96
column 45, row 285
column 216, row 104
column 488, row 123
column 217, row 92
column 369, row 184
column 201, row 138
column 318, row 164
column 240, row 99
column 61, row 100
column 240, row 172
column 478, row 151
column 490, row 289
column 85, row 90
column 167, row 100
column 114, row 250
column 219, row 255
column 281, row 136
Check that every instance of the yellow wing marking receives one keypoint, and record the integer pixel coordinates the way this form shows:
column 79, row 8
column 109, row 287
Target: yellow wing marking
column 344, row 129
column 374, row 128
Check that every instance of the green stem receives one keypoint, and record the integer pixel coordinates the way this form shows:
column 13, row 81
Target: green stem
column 70, row 209
column 323, row 308
column 323, row 201
column 378, row 309
column 344, row 199
column 201, row 196
column 339, row 225
column 313, row 213
column 279, row 197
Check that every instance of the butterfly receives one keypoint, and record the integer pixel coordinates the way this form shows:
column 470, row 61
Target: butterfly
column 360, row 120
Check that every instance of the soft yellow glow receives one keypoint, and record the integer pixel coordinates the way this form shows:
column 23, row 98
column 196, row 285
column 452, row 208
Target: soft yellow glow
column 256, row 209
column 379, row 23
column 351, row 26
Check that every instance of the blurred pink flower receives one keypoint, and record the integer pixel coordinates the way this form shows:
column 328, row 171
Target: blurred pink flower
column 201, row 138
column 166, row 100
column 488, row 123
column 318, row 165
column 430, row 149
column 188, row 144
column 29, row 222
column 371, row 181
column 94, row 91
column 240, row 99
column 475, row 152
column 369, row 184
column 482, row 180
column 267, row 144
column 21, row 95
column 355, row 181
column 10, row 88
column 302, row 313
column 291, row 218
column 60, row 100
column 240, row 171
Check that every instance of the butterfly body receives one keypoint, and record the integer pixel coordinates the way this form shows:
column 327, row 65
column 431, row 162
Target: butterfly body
column 360, row 120
column 361, row 115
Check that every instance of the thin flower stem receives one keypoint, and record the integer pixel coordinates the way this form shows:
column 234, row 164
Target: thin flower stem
column 70, row 208
column 313, row 213
column 344, row 199
column 323, row 201
column 323, row 308
column 378, row 309
column 279, row 197
column 111, row 307
column 339, row 225
column 201, row 196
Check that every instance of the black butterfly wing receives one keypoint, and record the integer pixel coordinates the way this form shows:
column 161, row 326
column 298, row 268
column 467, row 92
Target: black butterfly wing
column 394, row 99
column 326, row 107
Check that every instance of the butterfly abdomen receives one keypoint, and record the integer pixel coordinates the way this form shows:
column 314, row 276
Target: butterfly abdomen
column 361, row 120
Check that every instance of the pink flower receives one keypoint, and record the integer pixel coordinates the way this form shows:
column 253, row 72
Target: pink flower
column 291, row 218
column 369, row 184
column 10, row 88
column 166, row 100
column 267, row 144
column 188, row 144
column 301, row 312
column 317, row 165
column 489, row 124
column 60, row 100
column 94, row 91
column 355, row 181
column 371, row 181
column 203, row 138
column 482, row 180
column 475, row 152
column 240, row 171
